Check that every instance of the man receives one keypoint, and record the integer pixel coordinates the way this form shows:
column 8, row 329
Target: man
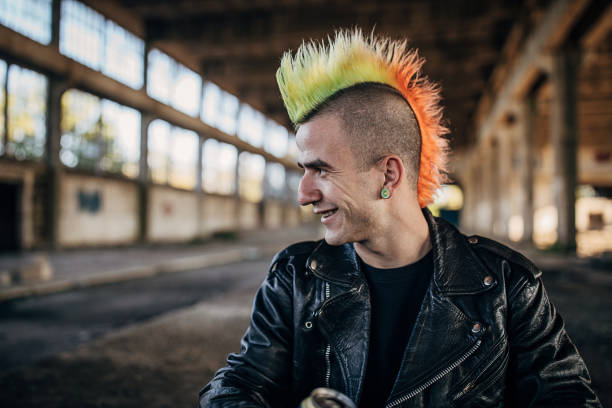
column 395, row 308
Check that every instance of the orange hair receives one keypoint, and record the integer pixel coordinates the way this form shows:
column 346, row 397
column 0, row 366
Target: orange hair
column 317, row 71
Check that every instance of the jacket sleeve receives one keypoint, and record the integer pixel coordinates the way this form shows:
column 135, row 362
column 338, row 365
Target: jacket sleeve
column 259, row 376
column 545, row 367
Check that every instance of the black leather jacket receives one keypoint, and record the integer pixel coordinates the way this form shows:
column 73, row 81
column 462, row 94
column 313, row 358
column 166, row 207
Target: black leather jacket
column 486, row 336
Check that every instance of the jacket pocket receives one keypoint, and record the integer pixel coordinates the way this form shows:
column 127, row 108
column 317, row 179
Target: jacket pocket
column 487, row 388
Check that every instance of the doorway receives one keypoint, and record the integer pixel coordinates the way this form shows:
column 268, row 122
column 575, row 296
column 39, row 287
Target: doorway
column 10, row 217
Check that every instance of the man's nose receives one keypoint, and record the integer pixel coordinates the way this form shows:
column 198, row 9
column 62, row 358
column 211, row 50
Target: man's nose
column 308, row 192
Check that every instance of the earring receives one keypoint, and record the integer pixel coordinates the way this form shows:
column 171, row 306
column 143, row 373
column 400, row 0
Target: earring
column 385, row 193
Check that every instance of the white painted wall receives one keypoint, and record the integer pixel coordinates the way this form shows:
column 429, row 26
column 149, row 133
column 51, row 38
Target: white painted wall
column 218, row 214
column 116, row 221
column 173, row 214
column 592, row 171
column 292, row 216
column 249, row 215
column 273, row 214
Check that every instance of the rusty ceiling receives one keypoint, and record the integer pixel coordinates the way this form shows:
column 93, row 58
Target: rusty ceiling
column 238, row 43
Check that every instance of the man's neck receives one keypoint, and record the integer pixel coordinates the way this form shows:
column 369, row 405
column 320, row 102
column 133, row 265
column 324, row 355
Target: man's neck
column 403, row 243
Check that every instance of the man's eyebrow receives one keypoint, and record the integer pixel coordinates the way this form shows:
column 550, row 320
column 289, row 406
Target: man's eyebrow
column 315, row 164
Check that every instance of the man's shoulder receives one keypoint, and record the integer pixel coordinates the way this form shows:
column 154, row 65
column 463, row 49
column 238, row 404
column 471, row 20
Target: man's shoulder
column 491, row 248
column 303, row 249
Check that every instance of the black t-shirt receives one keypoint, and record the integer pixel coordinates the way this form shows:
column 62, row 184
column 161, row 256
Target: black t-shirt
column 396, row 296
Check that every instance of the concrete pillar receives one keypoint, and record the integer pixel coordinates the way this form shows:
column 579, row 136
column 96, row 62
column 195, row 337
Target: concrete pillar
column 237, row 176
column 4, row 132
column 483, row 178
column 478, row 196
column 56, row 11
column 199, row 164
column 526, row 136
column 469, row 197
column 503, row 199
column 564, row 140
column 55, row 90
column 200, row 183
column 143, row 178
column 267, row 198
column 54, row 171
column 494, row 179
column 289, row 199
column 238, row 210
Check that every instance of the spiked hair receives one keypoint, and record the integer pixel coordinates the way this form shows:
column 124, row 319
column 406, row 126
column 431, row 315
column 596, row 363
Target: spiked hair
column 319, row 70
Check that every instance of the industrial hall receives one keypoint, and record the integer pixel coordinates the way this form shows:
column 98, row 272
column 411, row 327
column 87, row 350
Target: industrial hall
column 149, row 173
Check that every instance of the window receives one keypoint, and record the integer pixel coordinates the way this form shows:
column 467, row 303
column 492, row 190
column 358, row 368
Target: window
column 158, row 148
column 124, row 56
column 292, row 150
column 87, row 37
column 219, row 167
column 99, row 135
column 173, row 154
column 82, row 34
column 160, row 75
column 275, row 180
column 121, row 139
column 276, row 139
column 27, row 106
column 251, row 169
column 31, row 18
column 183, row 158
column 2, row 103
column 172, row 83
column 220, row 109
column 186, row 95
column 251, row 125
column 293, row 184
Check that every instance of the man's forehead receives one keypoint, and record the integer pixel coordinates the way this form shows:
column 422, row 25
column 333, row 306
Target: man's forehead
column 321, row 130
column 314, row 145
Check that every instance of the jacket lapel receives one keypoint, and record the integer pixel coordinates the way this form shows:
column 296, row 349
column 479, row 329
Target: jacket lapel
column 344, row 318
column 345, row 323
column 442, row 333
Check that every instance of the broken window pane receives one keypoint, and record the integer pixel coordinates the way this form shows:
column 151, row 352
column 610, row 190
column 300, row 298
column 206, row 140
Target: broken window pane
column 173, row 155
column 27, row 110
column 99, row 134
column 251, row 169
column 220, row 109
column 31, row 18
column 219, row 167
column 87, row 37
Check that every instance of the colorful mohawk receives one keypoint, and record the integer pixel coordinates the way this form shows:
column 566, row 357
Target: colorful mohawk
column 319, row 70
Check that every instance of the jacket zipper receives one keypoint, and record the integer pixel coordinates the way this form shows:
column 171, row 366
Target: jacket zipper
column 491, row 378
column 435, row 378
column 328, row 347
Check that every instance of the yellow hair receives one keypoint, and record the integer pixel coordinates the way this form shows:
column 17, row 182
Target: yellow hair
column 319, row 70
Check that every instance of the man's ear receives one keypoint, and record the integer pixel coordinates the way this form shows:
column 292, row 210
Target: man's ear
column 393, row 168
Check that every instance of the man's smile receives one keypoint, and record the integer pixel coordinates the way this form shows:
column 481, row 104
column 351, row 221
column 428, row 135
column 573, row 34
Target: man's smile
column 326, row 214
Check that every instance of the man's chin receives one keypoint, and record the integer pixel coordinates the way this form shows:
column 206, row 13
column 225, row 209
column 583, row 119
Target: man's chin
column 334, row 239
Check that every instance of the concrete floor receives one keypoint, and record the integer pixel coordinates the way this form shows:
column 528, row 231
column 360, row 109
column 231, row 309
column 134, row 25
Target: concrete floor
column 37, row 327
column 164, row 361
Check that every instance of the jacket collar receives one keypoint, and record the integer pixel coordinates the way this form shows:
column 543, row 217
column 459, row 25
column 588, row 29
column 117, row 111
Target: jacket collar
column 457, row 270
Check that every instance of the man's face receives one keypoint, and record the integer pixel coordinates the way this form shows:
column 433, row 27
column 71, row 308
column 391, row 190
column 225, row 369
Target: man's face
column 341, row 193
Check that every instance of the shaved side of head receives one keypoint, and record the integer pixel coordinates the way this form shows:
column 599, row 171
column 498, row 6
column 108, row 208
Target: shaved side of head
column 378, row 122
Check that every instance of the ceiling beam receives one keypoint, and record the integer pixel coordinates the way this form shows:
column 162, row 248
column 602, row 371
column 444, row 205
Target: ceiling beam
column 161, row 8
column 79, row 76
column 290, row 27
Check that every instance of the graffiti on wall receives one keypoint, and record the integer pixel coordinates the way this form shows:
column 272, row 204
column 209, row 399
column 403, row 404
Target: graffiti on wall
column 89, row 201
column 167, row 209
